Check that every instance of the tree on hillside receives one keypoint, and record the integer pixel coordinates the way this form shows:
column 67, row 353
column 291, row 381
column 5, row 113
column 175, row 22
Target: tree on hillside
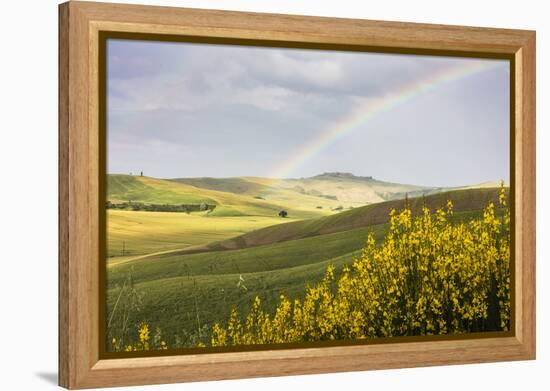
column 283, row 213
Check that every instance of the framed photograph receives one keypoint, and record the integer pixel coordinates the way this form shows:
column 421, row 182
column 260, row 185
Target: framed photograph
column 247, row 195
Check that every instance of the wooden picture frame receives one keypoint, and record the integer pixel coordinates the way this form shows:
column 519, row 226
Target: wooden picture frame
column 80, row 26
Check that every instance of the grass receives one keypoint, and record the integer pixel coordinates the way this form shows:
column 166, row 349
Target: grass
column 177, row 288
column 124, row 188
column 275, row 256
column 187, row 267
column 463, row 200
column 173, row 303
column 284, row 192
column 229, row 185
column 149, row 232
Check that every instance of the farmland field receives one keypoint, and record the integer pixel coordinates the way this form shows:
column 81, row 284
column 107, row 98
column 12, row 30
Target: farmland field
column 138, row 233
column 183, row 272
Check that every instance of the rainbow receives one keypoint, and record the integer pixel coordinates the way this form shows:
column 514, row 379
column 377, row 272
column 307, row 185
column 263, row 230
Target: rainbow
column 364, row 112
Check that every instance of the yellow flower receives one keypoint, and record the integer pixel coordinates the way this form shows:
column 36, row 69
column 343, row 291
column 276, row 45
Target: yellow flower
column 429, row 275
column 144, row 335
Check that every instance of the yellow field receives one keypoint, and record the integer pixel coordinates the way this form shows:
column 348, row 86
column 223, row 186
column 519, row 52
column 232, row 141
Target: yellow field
column 139, row 233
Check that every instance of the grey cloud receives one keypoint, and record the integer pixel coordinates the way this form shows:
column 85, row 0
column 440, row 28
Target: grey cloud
column 193, row 110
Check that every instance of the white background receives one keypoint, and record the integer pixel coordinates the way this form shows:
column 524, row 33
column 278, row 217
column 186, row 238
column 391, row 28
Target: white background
column 28, row 195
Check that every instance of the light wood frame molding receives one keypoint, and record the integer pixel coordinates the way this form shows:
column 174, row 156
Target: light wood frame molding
column 80, row 365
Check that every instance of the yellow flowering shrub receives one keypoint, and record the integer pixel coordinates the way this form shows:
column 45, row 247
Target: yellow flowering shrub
column 429, row 276
column 143, row 342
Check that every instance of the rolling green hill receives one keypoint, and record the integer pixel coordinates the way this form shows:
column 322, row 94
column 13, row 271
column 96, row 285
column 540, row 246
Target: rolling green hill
column 133, row 234
column 184, row 293
column 125, row 188
column 183, row 305
column 175, row 290
column 463, row 200
column 261, row 258
column 345, row 188
column 136, row 233
column 231, row 185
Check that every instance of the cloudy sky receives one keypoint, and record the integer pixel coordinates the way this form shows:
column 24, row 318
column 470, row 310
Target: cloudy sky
column 188, row 110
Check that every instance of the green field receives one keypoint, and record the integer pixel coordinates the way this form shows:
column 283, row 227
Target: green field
column 139, row 233
column 125, row 188
column 182, row 272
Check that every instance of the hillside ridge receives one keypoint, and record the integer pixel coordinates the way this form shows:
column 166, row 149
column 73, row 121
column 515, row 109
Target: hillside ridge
column 369, row 215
